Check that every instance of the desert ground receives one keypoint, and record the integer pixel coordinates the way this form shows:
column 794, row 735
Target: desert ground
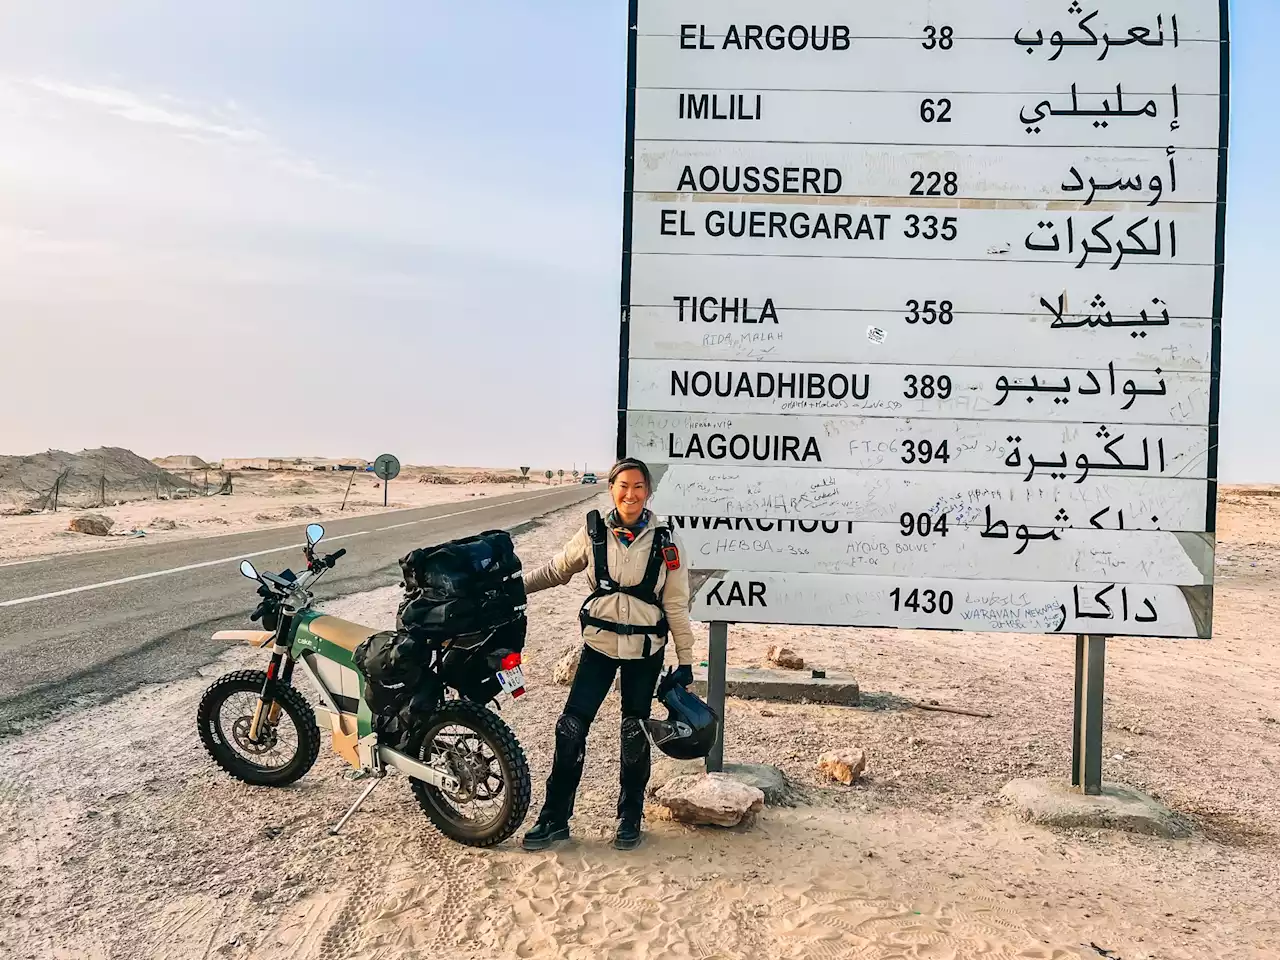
column 120, row 839
column 258, row 500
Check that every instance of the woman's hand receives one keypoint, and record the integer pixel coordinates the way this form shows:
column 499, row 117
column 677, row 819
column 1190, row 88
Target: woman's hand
column 683, row 675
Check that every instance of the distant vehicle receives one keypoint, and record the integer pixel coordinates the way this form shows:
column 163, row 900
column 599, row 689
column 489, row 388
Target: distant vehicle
column 589, row 478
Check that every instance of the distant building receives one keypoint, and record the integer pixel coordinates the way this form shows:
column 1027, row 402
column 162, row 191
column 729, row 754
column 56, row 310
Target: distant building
column 302, row 464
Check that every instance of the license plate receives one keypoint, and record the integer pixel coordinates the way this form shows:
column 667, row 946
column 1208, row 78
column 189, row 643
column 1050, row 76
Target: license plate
column 512, row 681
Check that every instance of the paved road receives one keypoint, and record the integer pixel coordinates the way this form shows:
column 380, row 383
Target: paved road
column 82, row 629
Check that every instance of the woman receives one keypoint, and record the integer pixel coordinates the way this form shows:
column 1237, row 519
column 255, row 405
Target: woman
column 624, row 627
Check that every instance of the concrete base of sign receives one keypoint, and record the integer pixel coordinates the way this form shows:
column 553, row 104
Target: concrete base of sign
column 751, row 683
column 1053, row 803
column 769, row 780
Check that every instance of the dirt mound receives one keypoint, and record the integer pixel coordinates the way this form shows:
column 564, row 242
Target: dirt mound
column 437, row 478
column 89, row 478
column 488, row 477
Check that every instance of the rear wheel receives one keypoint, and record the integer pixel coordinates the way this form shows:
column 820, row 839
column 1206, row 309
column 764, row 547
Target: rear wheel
column 479, row 750
column 284, row 751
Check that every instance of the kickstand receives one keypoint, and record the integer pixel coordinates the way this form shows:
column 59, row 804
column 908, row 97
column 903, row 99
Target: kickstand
column 333, row 831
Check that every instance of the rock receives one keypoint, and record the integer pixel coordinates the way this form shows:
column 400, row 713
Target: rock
column 94, row 524
column 305, row 510
column 567, row 667
column 765, row 777
column 710, row 798
column 163, row 523
column 665, row 769
column 844, row 766
column 1053, row 803
column 785, row 658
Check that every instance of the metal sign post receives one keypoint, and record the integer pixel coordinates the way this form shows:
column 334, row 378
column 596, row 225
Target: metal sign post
column 717, row 667
column 1086, row 740
column 387, row 468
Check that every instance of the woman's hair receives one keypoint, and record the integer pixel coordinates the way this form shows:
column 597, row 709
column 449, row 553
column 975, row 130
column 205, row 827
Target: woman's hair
column 631, row 463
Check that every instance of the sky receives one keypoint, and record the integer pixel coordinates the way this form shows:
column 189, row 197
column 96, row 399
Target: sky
column 337, row 229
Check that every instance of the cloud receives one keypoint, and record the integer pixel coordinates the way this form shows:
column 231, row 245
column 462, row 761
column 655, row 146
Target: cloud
column 130, row 106
column 225, row 127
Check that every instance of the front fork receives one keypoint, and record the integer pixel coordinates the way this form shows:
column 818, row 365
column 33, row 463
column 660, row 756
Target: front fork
column 279, row 673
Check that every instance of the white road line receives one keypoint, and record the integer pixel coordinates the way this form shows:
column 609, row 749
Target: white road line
column 259, row 553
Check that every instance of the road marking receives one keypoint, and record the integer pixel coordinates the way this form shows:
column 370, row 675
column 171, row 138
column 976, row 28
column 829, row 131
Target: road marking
column 259, row 553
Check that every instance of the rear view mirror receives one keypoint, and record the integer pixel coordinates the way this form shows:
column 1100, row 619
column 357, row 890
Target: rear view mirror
column 249, row 570
column 315, row 533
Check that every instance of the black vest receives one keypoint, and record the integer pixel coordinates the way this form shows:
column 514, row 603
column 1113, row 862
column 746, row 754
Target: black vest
column 605, row 584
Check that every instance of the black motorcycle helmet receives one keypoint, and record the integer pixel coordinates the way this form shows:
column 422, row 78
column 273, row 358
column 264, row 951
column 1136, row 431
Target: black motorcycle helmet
column 691, row 727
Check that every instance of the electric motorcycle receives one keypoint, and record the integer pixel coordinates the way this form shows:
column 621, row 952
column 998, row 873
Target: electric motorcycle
column 465, row 767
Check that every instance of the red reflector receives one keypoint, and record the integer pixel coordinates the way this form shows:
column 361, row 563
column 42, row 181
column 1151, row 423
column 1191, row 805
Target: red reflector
column 511, row 661
column 516, row 693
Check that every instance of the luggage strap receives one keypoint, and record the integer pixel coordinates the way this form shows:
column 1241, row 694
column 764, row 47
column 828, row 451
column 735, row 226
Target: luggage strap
column 606, row 585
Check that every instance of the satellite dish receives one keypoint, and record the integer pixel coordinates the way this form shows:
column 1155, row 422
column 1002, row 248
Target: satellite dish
column 386, row 467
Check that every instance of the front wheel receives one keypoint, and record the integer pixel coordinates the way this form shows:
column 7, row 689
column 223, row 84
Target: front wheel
column 284, row 750
column 482, row 754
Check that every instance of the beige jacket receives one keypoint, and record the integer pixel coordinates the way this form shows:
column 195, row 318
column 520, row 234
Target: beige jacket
column 627, row 566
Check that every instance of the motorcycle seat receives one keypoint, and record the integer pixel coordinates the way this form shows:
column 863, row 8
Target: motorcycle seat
column 341, row 633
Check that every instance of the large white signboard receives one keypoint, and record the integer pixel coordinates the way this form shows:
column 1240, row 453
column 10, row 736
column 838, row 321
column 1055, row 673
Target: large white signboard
column 921, row 307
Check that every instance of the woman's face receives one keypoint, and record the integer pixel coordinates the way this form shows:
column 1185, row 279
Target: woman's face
column 629, row 495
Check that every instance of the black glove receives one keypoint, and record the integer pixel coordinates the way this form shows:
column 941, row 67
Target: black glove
column 682, row 676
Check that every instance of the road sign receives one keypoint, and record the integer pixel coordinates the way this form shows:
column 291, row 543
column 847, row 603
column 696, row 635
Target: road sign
column 386, row 467
column 921, row 308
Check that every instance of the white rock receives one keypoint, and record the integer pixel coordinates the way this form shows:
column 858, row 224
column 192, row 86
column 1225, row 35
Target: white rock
column 709, row 798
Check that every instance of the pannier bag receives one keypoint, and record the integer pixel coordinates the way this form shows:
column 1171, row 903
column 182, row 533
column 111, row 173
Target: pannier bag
column 466, row 586
column 399, row 681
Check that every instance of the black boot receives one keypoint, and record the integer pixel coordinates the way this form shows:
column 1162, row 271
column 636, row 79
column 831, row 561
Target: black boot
column 633, row 778
column 562, row 784
column 544, row 833
column 628, row 835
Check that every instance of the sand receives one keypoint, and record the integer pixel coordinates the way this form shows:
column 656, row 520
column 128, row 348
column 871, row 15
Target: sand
column 119, row 838
column 259, row 500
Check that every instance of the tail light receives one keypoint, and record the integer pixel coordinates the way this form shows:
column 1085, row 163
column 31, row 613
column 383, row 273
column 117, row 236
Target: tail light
column 511, row 661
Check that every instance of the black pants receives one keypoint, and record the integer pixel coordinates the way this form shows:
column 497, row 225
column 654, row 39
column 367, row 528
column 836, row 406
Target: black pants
column 590, row 686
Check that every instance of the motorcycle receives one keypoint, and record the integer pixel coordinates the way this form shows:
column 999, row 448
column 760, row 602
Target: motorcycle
column 457, row 753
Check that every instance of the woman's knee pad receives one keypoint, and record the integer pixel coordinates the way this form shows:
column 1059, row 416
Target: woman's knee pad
column 635, row 743
column 571, row 736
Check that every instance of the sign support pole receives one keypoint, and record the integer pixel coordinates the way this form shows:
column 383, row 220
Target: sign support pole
column 1086, row 741
column 717, row 656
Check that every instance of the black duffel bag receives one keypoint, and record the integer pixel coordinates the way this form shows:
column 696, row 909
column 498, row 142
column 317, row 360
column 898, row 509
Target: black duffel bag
column 461, row 568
